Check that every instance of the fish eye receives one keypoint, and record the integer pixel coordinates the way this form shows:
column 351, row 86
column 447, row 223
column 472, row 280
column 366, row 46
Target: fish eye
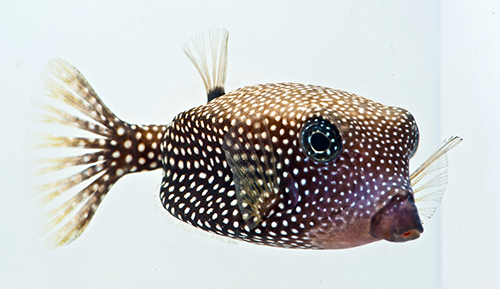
column 321, row 140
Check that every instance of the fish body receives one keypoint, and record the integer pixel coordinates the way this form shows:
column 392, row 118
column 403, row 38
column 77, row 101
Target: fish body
column 280, row 164
column 318, row 204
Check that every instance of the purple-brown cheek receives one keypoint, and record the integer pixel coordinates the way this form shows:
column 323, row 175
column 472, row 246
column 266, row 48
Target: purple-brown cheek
column 398, row 221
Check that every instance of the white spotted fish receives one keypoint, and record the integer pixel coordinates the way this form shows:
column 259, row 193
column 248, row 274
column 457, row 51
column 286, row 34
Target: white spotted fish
column 280, row 164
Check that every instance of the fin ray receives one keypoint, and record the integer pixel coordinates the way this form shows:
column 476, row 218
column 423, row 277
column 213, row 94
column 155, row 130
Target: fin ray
column 54, row 189
column 431, row 177
column 66, row 84
column 112, row 149
column 211, row 63
column 249, row 152
column 61, row 163
column 58, row 116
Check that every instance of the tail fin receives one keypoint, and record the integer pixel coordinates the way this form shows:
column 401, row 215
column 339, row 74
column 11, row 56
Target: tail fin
column 112, row 149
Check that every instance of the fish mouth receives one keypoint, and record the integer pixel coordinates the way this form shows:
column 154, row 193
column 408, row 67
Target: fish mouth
column 398, row 220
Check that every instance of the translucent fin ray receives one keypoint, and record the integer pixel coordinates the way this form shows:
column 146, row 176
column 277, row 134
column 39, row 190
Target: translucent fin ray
column 60, row 117
column 80, row 170
column 67, row 222
column 75, row 142
column 50, row 191
column 66, row 84
column 431, row 177
column 208, row 52
column 55, row 164
column 69, row 201
column 188, row 228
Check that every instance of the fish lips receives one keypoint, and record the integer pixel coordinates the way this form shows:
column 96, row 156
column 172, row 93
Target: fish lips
column 398, row 220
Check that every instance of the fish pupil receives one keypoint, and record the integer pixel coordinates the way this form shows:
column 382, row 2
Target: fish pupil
column 319, row 141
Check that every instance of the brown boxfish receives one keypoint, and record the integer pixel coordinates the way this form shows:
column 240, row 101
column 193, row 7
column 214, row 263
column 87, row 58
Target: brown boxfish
column 280, row 164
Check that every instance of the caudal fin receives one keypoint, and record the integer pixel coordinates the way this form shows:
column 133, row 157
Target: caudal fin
column 110, row 148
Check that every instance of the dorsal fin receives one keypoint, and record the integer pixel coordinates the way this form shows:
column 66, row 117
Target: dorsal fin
column 211, row 63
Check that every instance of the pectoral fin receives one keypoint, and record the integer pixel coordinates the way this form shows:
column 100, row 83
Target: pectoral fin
column 431, row 177
column 250, row 154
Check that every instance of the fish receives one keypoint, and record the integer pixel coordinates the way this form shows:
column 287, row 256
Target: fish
column 279, row 164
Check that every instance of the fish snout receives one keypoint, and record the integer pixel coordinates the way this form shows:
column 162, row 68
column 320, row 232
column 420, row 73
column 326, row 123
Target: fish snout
column 398, row 220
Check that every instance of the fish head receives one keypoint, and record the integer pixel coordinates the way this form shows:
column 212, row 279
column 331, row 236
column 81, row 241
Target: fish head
column 355, row 162
column 324, row 163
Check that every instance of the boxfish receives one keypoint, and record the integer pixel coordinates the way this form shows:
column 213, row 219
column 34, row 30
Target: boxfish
column 280, row 164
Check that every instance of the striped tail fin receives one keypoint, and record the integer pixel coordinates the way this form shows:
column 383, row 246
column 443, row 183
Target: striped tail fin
column 111, row 148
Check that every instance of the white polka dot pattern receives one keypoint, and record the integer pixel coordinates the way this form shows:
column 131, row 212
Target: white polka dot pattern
column 303, row 203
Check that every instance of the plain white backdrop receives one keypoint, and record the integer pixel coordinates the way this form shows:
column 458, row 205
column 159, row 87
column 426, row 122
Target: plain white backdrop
column 438, row 59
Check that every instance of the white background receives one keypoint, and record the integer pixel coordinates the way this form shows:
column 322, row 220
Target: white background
column 439, row 60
